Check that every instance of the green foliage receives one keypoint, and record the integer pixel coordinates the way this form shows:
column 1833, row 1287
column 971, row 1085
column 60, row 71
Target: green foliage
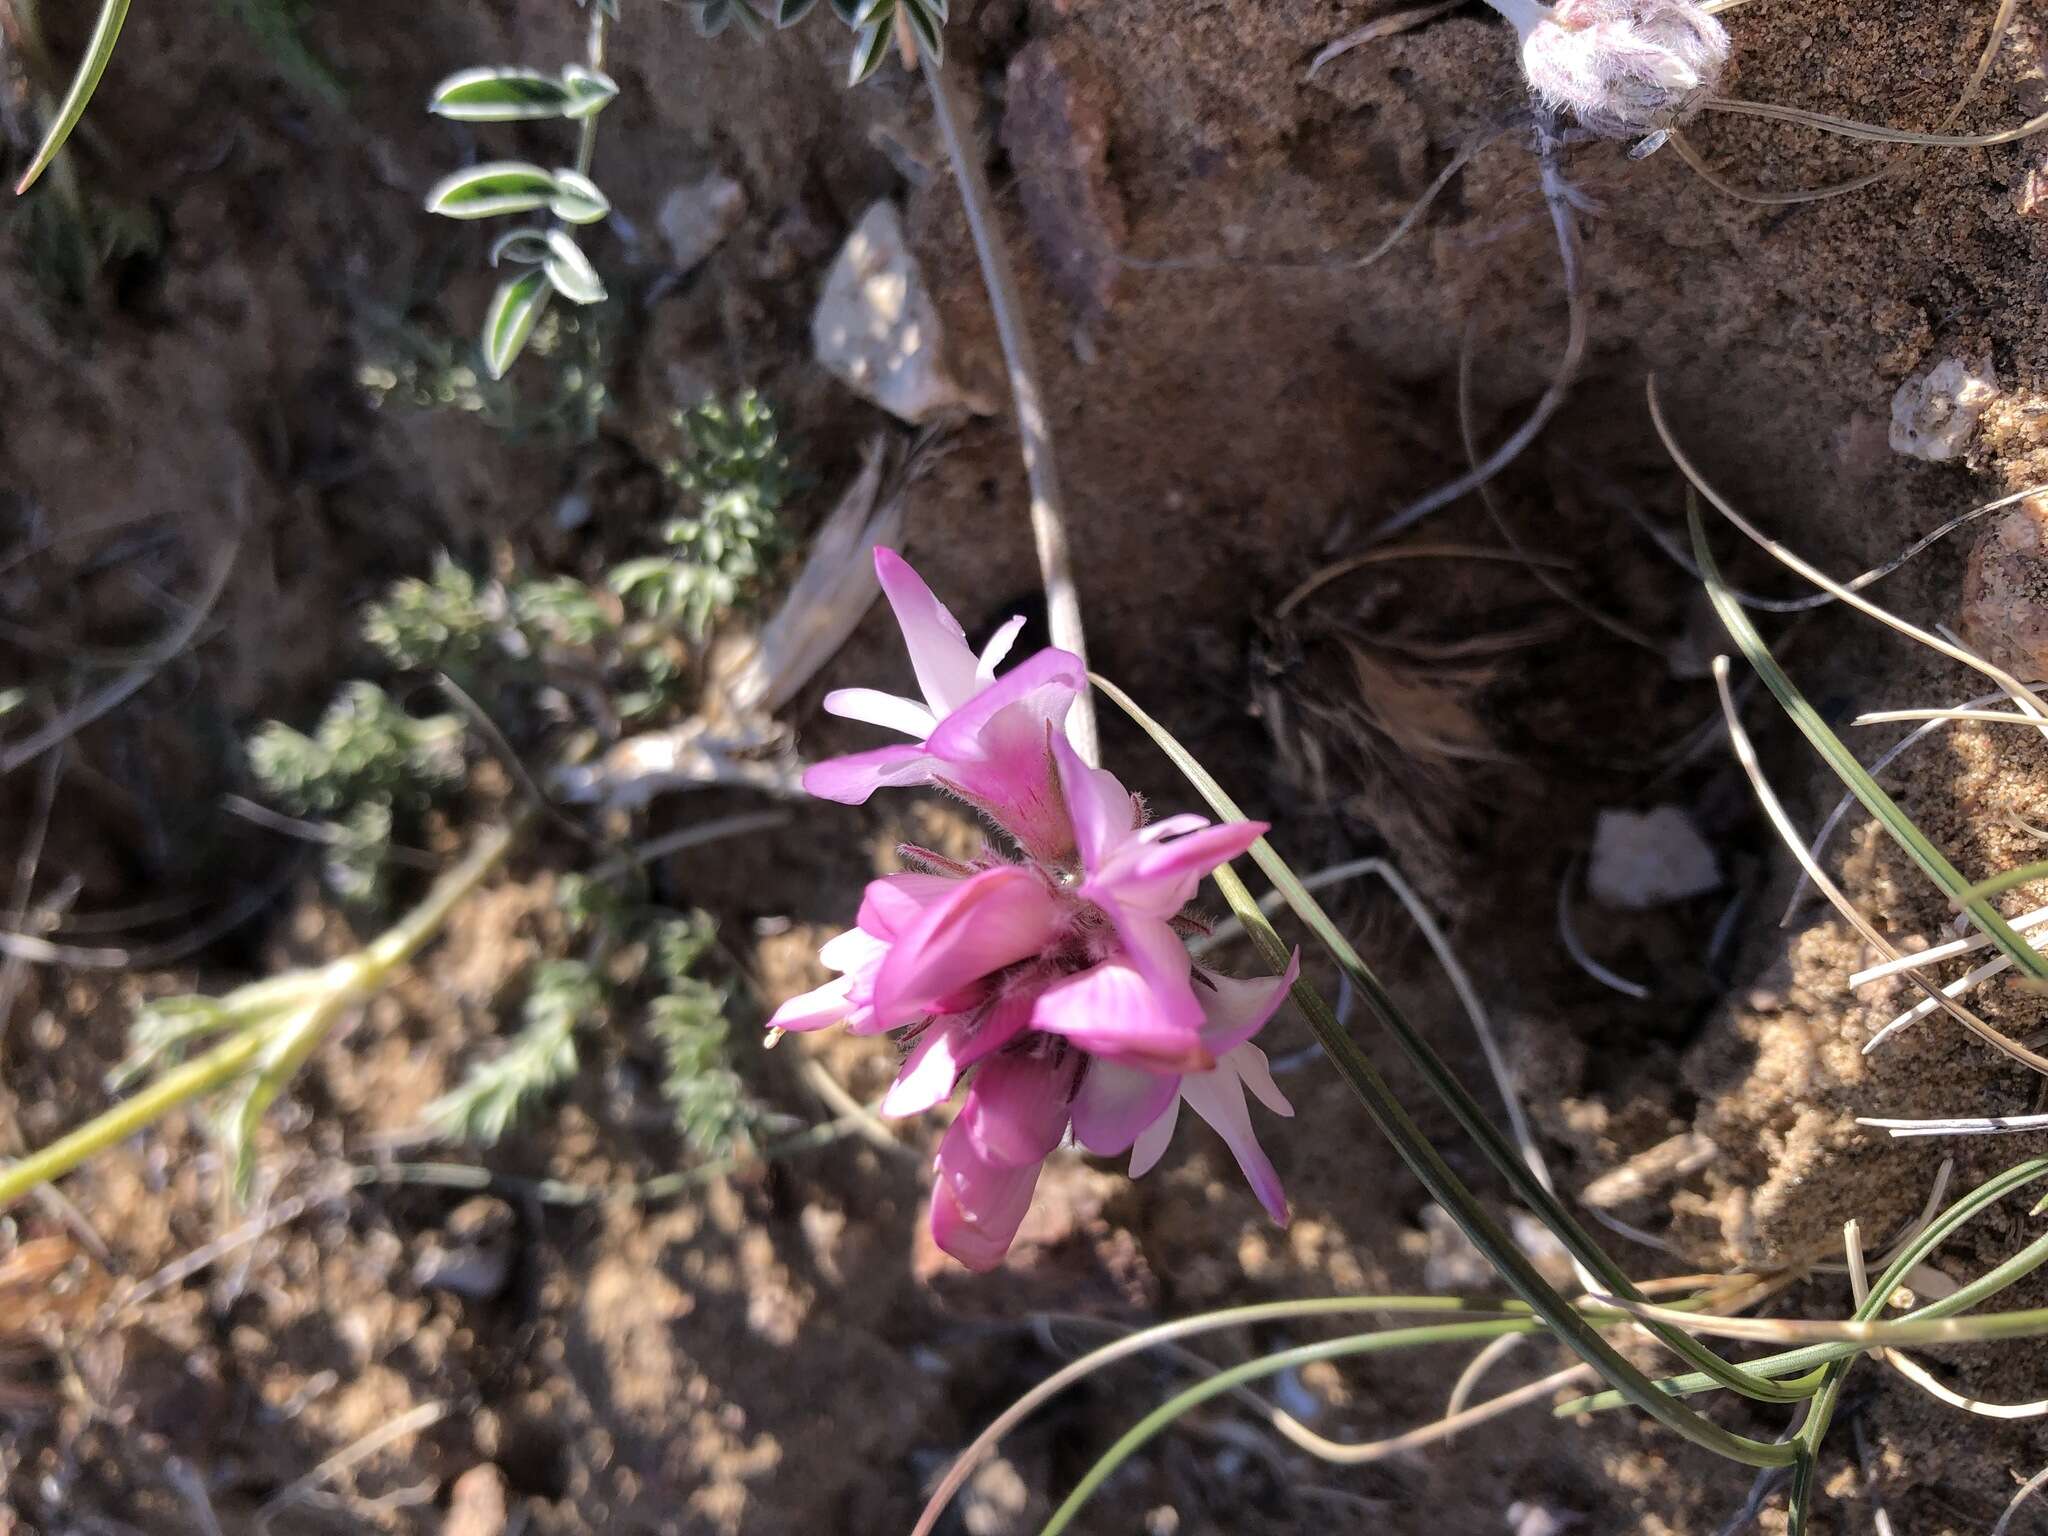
column 689, row 1021
column 735, row 468
column 446, row 623
column 365, row 748
column 366, row 764
column 874, row 24
column 414, row 366
column 555, row 264
column 498, row 1093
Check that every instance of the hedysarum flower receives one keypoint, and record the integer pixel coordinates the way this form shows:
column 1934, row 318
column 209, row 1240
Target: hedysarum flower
column 1059, row 984
column 1065, row 989
column 980, row 737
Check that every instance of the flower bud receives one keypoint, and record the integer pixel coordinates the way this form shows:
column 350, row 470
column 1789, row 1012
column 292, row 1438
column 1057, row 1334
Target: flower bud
column 1625, row 67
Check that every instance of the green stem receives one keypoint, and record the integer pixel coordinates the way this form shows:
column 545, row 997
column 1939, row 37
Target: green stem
column 1253, row 1370
column 1985, row 1286
column 1498, row 1248
column 217, row 1068
column 1476, row 1122
column 350, row 981
column 586, row 138
column 98, row 50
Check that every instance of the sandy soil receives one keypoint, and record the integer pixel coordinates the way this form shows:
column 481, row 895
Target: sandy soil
column 784, row 1351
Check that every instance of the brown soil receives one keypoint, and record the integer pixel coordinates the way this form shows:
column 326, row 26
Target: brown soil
column 785, row 1352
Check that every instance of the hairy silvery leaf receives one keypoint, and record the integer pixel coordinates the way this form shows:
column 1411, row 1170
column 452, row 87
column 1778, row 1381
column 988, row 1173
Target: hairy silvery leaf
column 485, row 191
column 488, row 95
column 713, row 16
column 574, row 278
column 873, row 13
column 589, row 90
column 577, row 199
column 515, row 310
column 524, row 246
column 789, row 12
column 846, row 8
column 926, row 23
column 869, row 49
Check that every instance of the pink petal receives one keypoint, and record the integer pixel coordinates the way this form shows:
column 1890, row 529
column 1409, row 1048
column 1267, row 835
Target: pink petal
column 996, row 650
column 996, row 1028
column 1047, row 681
column 1238, row 1009
column 937, row 645
column 930, row 1071
column 1158, row 954
column 1112, row 1012
column 853, row 951
column 1153, row 1141
column 1009, row 779
column 850, row 780
column 873, row 707
column 1104, row 815
column 989, row 921
column 816, row 1009
column 1118, row 1103
column 1158, row 878
column 1016, row 1109
column 1218, row 1097
column 891, row 904
column 1249, row 1062
column 977, row 1207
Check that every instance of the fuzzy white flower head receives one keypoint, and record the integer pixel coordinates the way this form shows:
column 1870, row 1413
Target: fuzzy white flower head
column 1625, row 67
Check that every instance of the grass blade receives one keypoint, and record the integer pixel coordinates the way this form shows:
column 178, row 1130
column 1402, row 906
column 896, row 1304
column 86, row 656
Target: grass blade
column 1846, row 766
column 98, row 50
column 1349, row 1060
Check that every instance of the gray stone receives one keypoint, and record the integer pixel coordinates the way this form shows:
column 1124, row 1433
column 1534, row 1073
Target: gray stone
column 1649, row 859
column 696, row 219
column 876, row 328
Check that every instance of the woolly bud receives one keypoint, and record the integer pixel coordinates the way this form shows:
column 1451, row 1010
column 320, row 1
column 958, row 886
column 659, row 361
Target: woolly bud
column 1625, row 67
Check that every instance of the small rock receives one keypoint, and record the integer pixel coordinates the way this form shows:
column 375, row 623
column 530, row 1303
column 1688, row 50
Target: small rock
column 1934, row 414
column 1452, row 1265
column 1056, row 129
column 877, row 329
column 471, row 1256
column 696, row 219
column 1526, row 1519
column 2004, row 613
column 2031, row 200
column 1650, row 1172
column 477, row 1504
column 1649, row 859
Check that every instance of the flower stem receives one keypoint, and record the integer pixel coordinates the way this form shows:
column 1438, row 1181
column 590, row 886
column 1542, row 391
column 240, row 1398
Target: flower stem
column 998, row 276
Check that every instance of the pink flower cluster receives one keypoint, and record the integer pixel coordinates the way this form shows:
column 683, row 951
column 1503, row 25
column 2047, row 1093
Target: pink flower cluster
column 1060, row 977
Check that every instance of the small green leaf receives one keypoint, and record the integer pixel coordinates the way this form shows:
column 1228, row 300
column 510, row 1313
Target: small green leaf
column 873, row 13
column 525, row 246
column 589, row 90
column 789, row 12
column 927, row 26
column 501, row 96
column 485, row 191
column 846, row 8
column 577, row 199
column 570, row 271
column 98, row 49
column 869, row 50
column 516, row 309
